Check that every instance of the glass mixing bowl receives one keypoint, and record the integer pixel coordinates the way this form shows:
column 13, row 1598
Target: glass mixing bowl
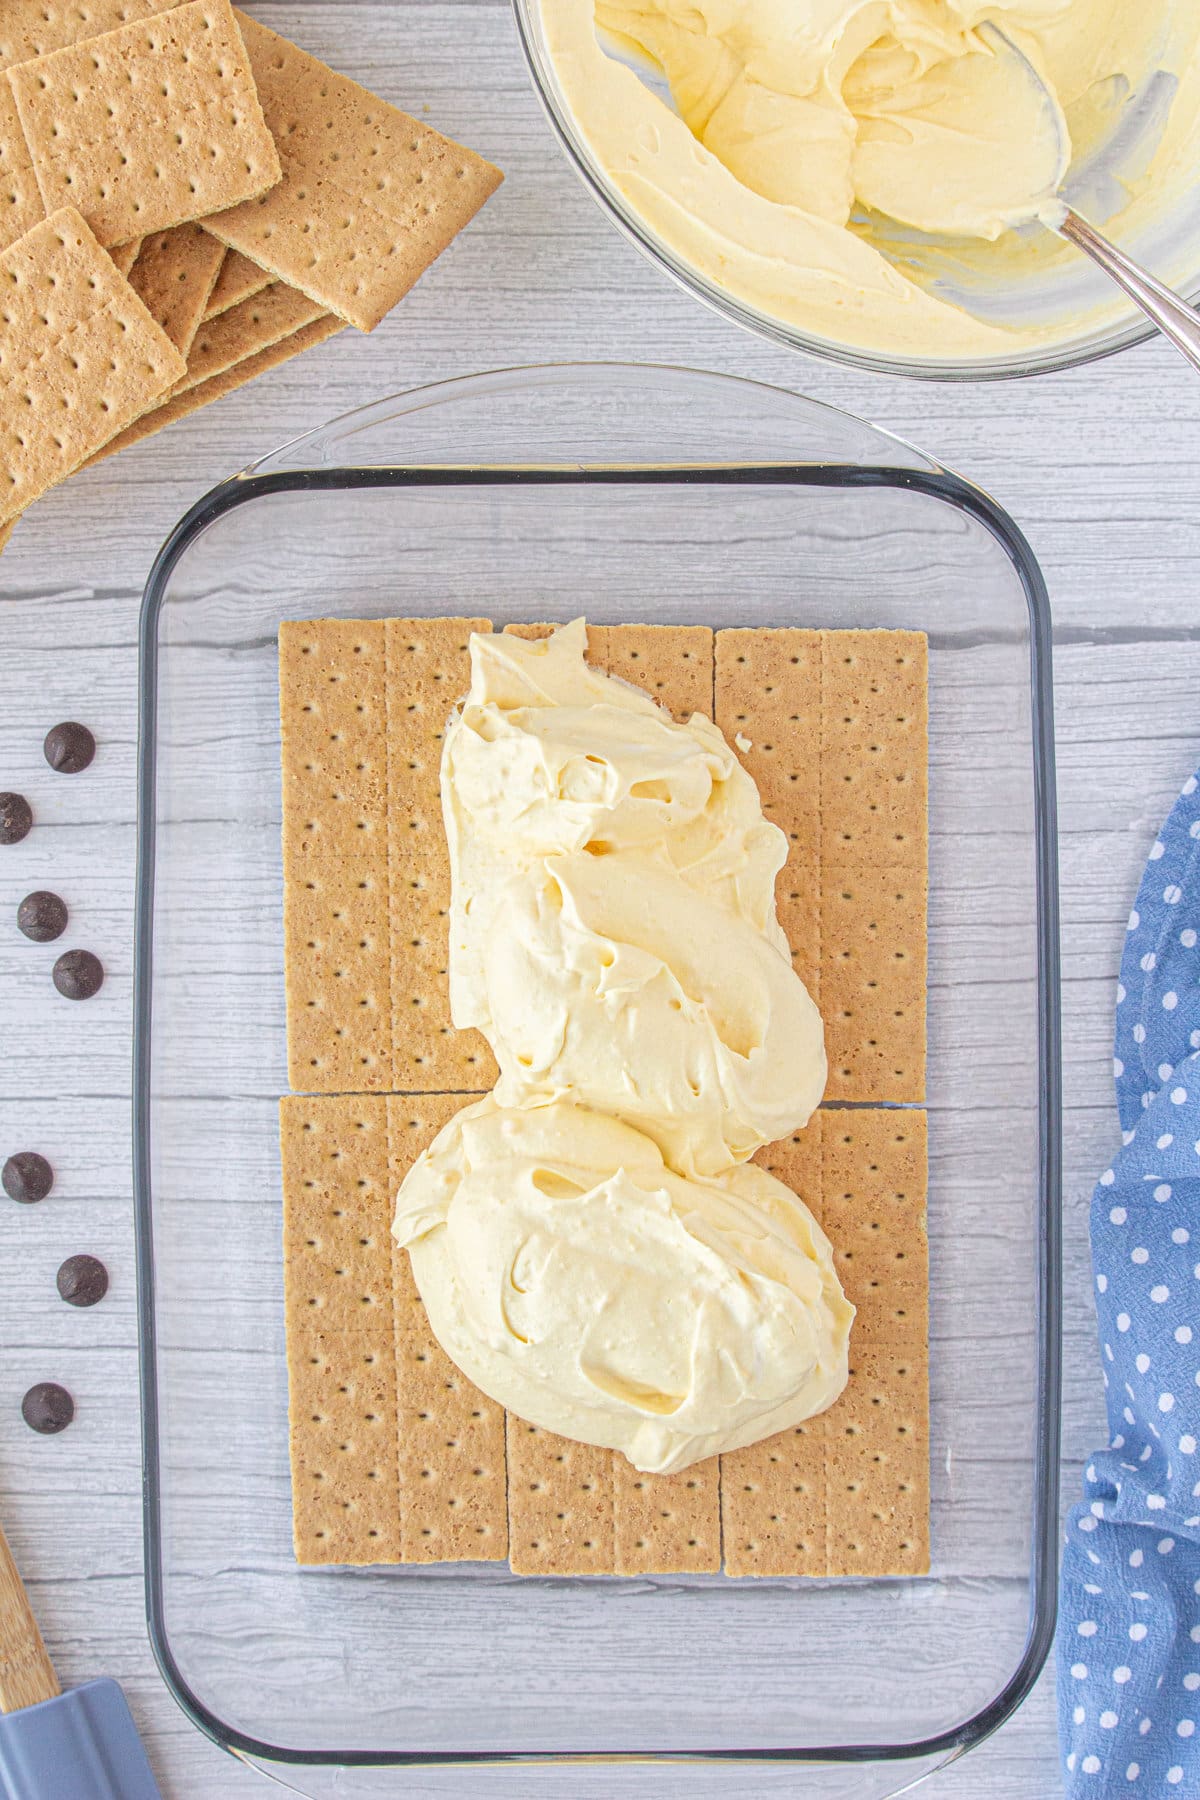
column 1047, row 283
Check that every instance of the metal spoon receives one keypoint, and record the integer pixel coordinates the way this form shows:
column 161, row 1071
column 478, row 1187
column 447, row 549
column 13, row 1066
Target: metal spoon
column 1173, row 316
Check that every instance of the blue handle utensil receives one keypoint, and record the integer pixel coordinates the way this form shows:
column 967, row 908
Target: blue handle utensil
column 81, row 1745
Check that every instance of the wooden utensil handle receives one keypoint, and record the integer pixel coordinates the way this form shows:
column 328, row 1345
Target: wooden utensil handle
column 26, row 1672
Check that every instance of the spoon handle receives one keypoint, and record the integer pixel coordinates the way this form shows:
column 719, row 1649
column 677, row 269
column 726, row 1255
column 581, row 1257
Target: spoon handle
column 1173, row 316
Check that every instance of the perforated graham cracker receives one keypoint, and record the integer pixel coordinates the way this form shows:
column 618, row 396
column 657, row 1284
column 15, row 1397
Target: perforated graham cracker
column 571, row 1508
column 836, row 724
column 30, row 28
column 847, row 1493
column 453, row 1504
column 369, row 197
column 191, row 399
column 173, row 273
column 332, row 682
column 239, row 279
column 341, row 1351
column 427, row 673
column 395, row 1456
column 147, row 126
column 80, row 356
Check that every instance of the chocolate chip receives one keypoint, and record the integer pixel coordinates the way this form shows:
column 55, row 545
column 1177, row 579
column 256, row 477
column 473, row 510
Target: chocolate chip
column 42, row 916
column 47, row 1408
column 78, row 974
column 16, row 817
column 82, row 1280
column 69, row 747
column 27, row 1177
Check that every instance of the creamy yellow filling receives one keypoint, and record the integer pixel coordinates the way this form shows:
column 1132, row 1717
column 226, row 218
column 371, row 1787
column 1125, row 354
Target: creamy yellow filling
column 803, row 129
column 593, row 1247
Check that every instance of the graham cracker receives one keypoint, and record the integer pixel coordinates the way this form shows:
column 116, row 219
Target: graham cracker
column 149, row 125
column 31, row 28
column 6, row 532
column 560, row 1503
column 125, row 255
column 805, row 1502
column 369, row 197
column 847, row 1493
column 80, row 356
column 191, row 399
column 395, row 1456
column 427, row 673
column 451, row 1437
column 246, row 329
column 332, row 682
column 672, row 663
column 341, row 1355
column 239, row 279
column 837, row 724
column 174, row 273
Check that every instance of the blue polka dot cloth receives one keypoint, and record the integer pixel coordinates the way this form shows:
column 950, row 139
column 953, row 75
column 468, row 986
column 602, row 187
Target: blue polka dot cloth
column 1129, row 1614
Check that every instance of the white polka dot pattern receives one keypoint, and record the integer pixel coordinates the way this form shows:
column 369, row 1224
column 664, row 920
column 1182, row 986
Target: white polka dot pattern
column 1130, row 1591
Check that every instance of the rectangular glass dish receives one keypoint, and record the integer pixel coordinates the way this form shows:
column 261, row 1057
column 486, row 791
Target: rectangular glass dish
column 629, row 495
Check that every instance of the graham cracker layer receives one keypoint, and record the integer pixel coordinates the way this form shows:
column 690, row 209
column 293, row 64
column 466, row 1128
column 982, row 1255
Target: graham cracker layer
column 396, row 1457
column 811, row 707
column 364, row 708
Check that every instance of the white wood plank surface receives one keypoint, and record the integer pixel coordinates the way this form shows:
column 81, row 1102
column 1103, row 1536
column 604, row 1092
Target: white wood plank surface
column 1100, row 467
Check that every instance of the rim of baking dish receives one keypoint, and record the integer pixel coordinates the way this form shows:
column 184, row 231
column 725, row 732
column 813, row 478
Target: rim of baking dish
column 262, row 479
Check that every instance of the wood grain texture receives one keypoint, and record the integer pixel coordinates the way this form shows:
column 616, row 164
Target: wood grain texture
column 26, row 1672
column 1112, row 516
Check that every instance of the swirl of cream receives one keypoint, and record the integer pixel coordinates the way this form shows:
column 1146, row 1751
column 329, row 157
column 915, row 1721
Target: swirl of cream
column 612, row 923
column 581, row 1283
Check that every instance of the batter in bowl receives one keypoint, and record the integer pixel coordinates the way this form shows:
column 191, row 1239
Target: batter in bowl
column 803, row 130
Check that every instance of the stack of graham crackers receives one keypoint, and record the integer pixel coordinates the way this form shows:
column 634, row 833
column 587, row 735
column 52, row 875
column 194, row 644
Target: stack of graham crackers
column 187, row 200
column 396, row 1457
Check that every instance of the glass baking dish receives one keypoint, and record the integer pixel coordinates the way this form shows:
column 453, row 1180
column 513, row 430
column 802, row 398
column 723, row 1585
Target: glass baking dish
column 629, row 494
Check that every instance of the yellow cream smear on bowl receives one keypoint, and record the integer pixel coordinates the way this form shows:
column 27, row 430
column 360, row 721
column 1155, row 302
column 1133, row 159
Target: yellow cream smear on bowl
column 804, row 126
column 593, row 1246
